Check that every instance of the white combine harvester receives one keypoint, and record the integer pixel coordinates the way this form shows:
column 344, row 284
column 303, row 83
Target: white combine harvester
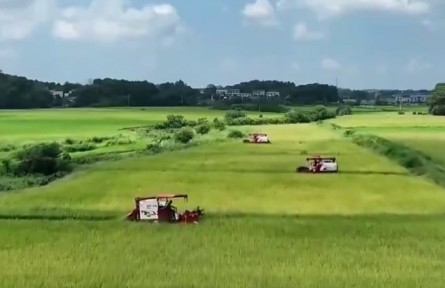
column 319, row 164
column 257, row 138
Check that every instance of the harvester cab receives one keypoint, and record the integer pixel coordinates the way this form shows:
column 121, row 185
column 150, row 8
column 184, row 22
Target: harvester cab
column 257, row 138
column 318, row 164
column 160, row 209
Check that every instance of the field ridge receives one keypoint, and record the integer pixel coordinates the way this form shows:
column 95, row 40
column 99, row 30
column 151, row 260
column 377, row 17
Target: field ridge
column 415, row 161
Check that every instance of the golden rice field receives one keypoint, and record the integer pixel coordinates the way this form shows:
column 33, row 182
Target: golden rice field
column 371, row 225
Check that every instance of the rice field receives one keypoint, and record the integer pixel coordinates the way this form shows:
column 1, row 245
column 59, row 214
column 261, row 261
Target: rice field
column 371, row 225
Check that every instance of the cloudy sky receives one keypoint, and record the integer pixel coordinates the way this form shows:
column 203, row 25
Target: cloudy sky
column 362, row 43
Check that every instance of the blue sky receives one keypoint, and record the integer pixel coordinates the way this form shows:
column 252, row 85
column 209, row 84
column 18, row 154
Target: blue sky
column 363, row 43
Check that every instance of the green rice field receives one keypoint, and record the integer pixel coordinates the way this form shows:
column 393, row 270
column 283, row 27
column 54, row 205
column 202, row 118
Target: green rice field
column 373, row 224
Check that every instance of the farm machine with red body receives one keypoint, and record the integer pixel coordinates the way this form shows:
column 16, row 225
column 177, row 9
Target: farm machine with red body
column 318, row 164
column 160, row 209
column 257, row 138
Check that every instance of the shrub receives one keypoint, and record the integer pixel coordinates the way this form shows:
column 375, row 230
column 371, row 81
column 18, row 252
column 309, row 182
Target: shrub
column 185, row 135
column 343, row 110
column 234, row 114
column 235, row 134
column 69, row 141
column 5, row 166
column 219, row 125
column 401, row 113
column 348, row 133
column 44, row 158
column 119, row 141
column 80, row 147
column 202, row 121
column 191, row 123
column 173, row 121
column 322, row 113
column 437, row 110
column 203, row 128
column 98, row 140
column 65, row 156
column 41, row 150
column 335, row 126
column 155, row 147
column 295, row 116
column 7, row 148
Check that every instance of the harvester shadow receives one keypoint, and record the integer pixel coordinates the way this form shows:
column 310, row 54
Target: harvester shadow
column 216, row 217
column 55, row 217
column 386, row 217
column 352, row 172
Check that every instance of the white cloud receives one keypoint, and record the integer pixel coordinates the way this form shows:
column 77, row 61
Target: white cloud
column 330, row 64
column 113, row 20
column 261, row 12
column 326, row 8
column 20, row 18
column 302, row 33
column 415, row 65
column 101, row 20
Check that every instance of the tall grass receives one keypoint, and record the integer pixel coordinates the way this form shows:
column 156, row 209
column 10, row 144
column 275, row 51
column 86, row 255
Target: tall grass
column 250, row 251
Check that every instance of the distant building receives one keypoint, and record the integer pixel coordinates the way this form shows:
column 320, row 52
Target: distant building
column 245, row 95
column 349, row 101
column 221, row 92
column 233, row 92
column 58, row 93
column 229, row 93
column 418, row 98
column 259, row 93
column 411, row 98
column 271, row 94
column 65, row 96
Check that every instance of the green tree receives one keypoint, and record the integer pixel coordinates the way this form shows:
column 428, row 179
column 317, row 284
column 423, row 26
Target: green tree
column 437, row 100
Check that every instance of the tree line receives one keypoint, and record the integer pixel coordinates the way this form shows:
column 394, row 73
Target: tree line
column 18, row 92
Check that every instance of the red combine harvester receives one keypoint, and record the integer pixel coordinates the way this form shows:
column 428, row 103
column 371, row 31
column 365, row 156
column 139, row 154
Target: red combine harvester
column 318, row 164
column 160, row 209
column 257, row 138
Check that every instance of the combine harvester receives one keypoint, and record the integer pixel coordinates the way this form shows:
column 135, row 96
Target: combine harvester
column 318, row 164
column 257, row 138
column 160, row 209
